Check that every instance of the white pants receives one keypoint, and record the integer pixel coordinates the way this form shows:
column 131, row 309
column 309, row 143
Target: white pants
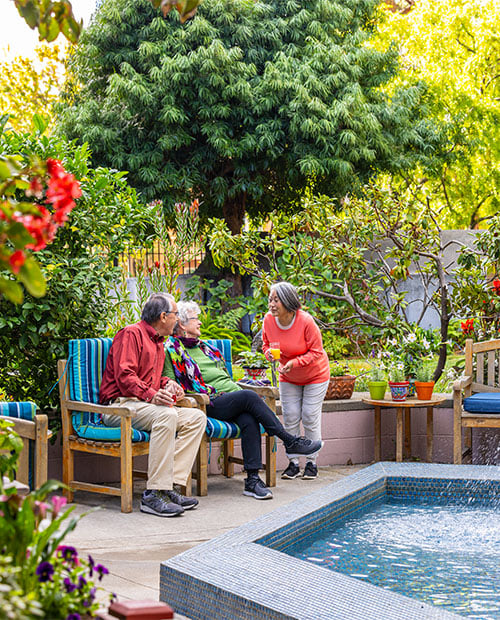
column 176, row 434
column 303, row 403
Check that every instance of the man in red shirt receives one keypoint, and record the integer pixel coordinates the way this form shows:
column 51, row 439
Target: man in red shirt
column 133, row 378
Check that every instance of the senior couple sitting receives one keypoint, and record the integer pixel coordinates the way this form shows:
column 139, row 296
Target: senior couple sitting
column 139, row 375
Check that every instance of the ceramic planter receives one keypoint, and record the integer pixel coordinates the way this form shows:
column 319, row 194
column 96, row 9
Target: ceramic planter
column 377, row 389
column 340, row 387
column 424, row 389
column 255, row 374
column 399, row 390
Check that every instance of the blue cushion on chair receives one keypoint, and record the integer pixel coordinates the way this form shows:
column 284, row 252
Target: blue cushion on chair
column 483, row 402
column 222, row 430
column 86, row 363
column 24, row 410
column 224, row 346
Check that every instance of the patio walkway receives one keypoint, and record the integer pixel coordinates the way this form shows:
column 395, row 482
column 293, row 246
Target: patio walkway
column 132, row 545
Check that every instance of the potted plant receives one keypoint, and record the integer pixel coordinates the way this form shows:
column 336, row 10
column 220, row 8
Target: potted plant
column 424, row 383
column 377, row 383
column 398, row 383
column 341, row 383
column 254, row 365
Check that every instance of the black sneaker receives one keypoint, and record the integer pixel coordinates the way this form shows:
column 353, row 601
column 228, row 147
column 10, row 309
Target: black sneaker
column 301, row 446
column 153, row 502
column 291, row 472
column 310, row 471
column 254, row 487
column 188, row 503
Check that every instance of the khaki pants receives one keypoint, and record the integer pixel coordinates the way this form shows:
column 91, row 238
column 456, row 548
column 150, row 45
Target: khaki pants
column 176, row 433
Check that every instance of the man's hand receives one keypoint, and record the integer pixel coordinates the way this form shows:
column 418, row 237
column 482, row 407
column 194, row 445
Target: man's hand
column 164, row 398
column 175, row 389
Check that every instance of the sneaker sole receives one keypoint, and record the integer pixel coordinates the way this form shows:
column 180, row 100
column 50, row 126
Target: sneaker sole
column 192, row 507
column 309, row 477
column 250, row 494
column 150, row 511
column 295, row 455
column 288, row 477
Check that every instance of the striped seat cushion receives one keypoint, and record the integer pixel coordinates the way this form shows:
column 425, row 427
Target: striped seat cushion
column 224, row 346
column 24, row 410
column 217, row 429
column 86, row 363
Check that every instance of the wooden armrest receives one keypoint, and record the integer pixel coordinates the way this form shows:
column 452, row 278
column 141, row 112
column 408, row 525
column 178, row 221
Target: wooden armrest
column 75, row 405
column 201, row 399
column 261, row 390
column 462, row 383
column 187, row 401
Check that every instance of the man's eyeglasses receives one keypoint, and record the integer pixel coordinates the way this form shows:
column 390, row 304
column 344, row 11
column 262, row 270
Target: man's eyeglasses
column 170, row 312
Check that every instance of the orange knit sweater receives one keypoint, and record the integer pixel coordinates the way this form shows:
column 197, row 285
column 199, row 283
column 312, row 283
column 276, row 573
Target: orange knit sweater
column 301, row 343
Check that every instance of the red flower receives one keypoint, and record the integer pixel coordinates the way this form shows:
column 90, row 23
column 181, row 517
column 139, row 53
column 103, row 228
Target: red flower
column 55, row 167
column 496, row 286
column 467, row 326
column 194, row 208
column 16, row 260
column 157, row 264
column 62, row 190
column 35, row 188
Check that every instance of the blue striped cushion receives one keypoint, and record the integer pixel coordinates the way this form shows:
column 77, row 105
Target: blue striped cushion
column 86, row 363
column 224, row 346
column 217, row 429
column 26, row 411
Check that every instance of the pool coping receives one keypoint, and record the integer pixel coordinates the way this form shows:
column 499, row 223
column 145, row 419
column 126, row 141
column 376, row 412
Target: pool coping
column 232, row 576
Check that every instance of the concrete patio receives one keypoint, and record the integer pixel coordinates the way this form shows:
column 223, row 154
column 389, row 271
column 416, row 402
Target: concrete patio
column 132, row 545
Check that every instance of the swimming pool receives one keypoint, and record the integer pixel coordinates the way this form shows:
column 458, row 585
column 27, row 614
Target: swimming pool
column 245, row 573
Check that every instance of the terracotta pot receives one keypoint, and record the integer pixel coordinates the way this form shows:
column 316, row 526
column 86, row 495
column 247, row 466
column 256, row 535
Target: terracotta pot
column 424, row 389
column 377, row 389
column 340, row 387
column 399, row 390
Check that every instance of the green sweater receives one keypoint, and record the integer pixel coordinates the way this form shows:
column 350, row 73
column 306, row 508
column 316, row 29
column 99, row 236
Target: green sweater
column 210, row 372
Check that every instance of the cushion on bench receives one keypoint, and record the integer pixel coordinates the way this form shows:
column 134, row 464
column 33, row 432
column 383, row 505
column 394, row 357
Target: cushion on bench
column 24, row 410
column 86, row 363
column 217, row 429
column 483, row 402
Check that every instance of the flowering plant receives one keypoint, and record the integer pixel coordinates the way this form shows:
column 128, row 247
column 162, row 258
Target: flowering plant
column 410, row 350
column 339, row 370
column 40, row 568
column 26, row 225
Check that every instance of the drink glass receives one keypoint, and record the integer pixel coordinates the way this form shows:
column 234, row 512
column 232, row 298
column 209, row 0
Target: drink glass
column 274, row 348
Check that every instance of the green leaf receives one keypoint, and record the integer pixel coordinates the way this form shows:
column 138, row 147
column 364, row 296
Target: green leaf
column 31, row 276
column 41, row 123
column 19, row 236
column 11, row 290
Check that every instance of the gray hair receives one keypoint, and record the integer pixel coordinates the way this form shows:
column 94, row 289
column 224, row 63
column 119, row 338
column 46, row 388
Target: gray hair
column 155, row 305
column 287, row 294
column 186, row 308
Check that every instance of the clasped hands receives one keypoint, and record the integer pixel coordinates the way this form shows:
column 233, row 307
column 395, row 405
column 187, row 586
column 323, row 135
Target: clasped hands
column 168, row 395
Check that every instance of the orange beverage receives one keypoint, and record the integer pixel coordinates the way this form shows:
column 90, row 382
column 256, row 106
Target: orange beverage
column 274, row 348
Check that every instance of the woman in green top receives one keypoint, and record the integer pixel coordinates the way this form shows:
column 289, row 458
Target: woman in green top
column 198, row 367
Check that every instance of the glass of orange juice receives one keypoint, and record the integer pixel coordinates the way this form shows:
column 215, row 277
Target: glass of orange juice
column 274, row 348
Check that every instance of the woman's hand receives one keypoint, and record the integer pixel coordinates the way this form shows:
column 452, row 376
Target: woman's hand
column 286, row 367
column 269, row 356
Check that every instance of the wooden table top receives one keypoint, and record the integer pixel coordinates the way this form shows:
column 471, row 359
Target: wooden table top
column 408, row 403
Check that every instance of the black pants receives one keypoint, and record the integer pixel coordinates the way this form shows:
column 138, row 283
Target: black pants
column 248, row 410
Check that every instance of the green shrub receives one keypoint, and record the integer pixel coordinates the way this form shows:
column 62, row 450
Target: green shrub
column 336, row 346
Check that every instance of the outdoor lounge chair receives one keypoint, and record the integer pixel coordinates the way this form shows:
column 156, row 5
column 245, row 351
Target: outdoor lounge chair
column 83, row 429
column 476, row 397
column 227, row 432
column 33, row 428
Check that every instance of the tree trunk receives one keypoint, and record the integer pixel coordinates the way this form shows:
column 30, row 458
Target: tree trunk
column 233, row 211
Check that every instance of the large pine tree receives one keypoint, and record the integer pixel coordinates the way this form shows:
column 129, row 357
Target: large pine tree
column 245, row 105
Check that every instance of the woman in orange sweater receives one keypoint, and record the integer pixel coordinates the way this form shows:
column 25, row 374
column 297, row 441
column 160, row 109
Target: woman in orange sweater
column 304, row 370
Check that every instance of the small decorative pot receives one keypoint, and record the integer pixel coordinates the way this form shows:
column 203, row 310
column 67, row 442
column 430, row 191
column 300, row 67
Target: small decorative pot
column 377, row 389
column 340, row 387
column 399, row 390
column 255, row 374
column 411, row 387
column 424, row 389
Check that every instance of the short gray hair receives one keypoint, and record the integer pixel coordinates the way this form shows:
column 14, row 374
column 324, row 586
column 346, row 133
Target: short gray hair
column 287, row 294
column 155, row 305
column 187, row 307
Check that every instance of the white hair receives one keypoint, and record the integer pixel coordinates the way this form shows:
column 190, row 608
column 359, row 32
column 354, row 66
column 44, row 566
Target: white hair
column 186, row 308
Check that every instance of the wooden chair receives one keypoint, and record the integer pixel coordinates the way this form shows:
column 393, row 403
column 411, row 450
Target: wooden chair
column 82, row 427
column 476, row 397
column 33, row 428
column 227, row 432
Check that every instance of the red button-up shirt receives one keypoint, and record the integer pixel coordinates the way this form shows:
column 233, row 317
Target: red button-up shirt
column 135, row 364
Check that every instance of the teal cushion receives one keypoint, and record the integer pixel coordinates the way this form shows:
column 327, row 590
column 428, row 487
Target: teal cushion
column 86, row 363
column 483, row 402
column 217, row 429
column 24, row 410
column 224, row 346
